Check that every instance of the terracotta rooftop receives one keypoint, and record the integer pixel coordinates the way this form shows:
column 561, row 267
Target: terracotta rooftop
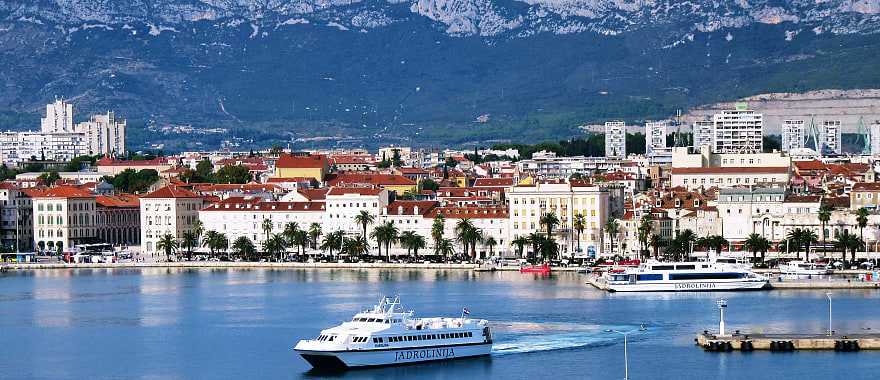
column 370, row 179
column 866, row 186
column 63, row 192
column 409, row 207
column 314, row 161
column 172, row 192
column 119, row 200
column 355, row 190
column 239, row 204
column 493, row 182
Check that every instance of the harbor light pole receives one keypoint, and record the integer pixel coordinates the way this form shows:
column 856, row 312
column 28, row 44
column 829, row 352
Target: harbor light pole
column 625, row 358
column 722, row 304
column 829, row 313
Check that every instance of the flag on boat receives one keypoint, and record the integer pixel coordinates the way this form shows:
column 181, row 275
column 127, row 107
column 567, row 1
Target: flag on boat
column 465, row 311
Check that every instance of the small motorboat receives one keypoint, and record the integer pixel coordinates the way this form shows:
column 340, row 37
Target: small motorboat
column 541, row 269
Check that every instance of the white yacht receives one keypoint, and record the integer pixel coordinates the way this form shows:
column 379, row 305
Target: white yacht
column 803, row 268
column 713, row 275
column 388, row 335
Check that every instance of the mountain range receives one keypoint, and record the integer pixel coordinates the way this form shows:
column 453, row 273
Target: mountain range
column 418, row 72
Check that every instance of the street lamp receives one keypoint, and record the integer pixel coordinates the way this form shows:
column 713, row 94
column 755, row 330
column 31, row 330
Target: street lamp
column 829, row 313
column 625, row 358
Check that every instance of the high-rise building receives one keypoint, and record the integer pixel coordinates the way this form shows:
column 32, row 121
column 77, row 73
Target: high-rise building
column 105, row 134
column 615, row 139
column 874, row 131
column 59, row 118
column 702, row 133
column 18, row 147
column 793, row 135
column 738, row 131
column 831, row 131
column 655, row 137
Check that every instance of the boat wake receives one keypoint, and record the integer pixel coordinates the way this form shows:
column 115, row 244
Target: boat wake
column 518, row 337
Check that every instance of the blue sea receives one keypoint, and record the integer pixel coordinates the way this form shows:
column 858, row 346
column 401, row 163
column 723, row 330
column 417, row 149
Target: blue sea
column 242, row 324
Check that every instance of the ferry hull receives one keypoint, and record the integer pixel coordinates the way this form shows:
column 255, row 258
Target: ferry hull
column 342, row 360
column 688, row 286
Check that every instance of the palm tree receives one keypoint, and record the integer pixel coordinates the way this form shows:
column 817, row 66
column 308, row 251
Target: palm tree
column 244, row 247
column 520, row 242
column 808, row 238
column 549, row 221
column 215, row 241
column 685, row 239
column 848, row 241
column 655, row 241
column 646, row 227
column 168, row 244
column 437, row 229
column 824, row 216
column 463, row 231
column 535, row 239
column 579, row 223
column 355, row 247
column 274, row 246
column 795, row 238
column 445, row 248
column 491, row 243
column 198, row 229
column 333, row 241
column 289, row 232
column 364, row 218
column 188, row 241
column 209, row 237
column 385, row 234
column 714, row 242
column 267, row 227
column 862, row 220
column 756, row 243
column 314, row 233
column 405, row 239
column 301, row 241
column 612, row 229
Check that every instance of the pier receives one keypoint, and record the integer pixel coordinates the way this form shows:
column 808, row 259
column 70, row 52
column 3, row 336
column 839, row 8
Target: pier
column 787, row 342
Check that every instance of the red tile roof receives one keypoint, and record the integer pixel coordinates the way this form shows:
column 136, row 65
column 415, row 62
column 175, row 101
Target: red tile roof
column 355, row 190
column 172, row 192
column 409, row 207
column 107, row 161
column 119, row 200
column 63, row 192
column 866, row 186
column 256, row 204
column 470, row 212
column 369, row 179
column 493, row 182
column 809, row 165
column 314, row 194
column 288, row 161
column 247, row 187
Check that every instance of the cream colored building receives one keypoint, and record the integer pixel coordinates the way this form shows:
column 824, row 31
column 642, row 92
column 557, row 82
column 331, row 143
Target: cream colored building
column 243, row 216
column 168, row 210
column 104, row 134
column 64, row 216
column 527, row 203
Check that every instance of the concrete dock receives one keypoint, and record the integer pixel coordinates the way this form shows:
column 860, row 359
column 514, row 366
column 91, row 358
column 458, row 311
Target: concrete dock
column 788, row 342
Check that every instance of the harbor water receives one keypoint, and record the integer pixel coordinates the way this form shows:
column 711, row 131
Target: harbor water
column 241, row 323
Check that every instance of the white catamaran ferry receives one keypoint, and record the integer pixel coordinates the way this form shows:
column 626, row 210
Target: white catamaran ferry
column 387, row 335
column 713, row 275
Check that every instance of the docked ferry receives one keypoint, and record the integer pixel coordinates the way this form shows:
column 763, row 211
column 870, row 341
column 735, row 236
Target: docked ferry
column 387, row 335
column 713, row 275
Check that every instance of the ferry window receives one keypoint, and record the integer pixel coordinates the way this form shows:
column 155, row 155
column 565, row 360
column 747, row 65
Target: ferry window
column 685, row 267
column 470, row 334
column 662, row 267
column 704, row 276
column 651, row 277
column 371, row 320
column 375, row 340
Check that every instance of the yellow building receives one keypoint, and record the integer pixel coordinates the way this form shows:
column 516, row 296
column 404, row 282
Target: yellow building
column 302, row 166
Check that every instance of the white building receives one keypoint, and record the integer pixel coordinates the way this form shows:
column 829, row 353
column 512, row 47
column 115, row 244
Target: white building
column 18, row 147
column 527, row 203
column 738, row 131
column 105, row 134
column 59, row 118
column 793, row 135
column 243, row 216
column 63, row 217
column 167, row 211
column 743, row 211
column 831, row 137
column 702, row 133
column 615, row 139
column 16, row 221
column 874, row 131
column 655, row 137
column 345, row 203
column 704, row 169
